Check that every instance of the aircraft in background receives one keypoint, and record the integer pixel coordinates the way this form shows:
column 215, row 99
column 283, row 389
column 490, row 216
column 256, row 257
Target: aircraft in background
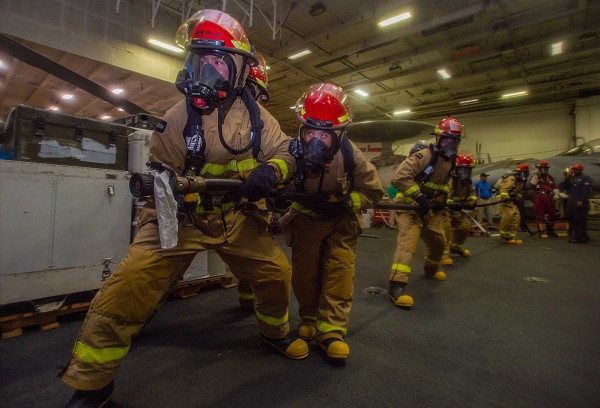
column 386, row 132
column 587, row 154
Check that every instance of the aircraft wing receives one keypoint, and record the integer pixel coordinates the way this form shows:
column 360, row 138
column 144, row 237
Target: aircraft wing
column 387, row 130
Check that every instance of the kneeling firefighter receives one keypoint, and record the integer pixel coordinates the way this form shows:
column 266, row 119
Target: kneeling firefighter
column 333, row 182
column 218, row 132
column 422, row 179
column 512, row 189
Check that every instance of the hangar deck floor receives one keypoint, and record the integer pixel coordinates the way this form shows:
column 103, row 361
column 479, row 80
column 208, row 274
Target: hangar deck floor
column 513, row 326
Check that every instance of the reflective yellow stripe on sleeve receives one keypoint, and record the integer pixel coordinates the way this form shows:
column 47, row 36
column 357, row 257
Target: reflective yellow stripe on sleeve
column 437, row 187
column 356, row 203
column 272, row 321
column 100, row 356
column 411, row 191
column 283, row 168
column 233, row 166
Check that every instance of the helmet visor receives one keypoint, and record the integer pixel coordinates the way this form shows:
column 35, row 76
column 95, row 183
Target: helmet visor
column 212, row 70
column 464, row 173
column 449, row 145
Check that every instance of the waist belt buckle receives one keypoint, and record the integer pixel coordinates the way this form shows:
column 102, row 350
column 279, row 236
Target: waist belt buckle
column 217, row 200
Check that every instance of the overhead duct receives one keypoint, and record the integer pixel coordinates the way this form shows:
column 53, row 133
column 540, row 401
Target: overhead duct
column 448, row 25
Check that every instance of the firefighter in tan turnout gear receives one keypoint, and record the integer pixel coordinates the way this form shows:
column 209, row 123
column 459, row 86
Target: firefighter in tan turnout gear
column 461, row 192
column 422, row 179
column 512, row 188
column 258, row 84
column 334, row 183
column 216, row 134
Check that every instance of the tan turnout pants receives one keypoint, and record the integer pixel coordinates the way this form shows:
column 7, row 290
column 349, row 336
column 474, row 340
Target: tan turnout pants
column 410, row 229
column 131, row 295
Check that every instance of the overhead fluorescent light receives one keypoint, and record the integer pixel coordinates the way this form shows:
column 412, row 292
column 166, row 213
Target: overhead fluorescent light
column 443, row 73
column 120, row 109
column 299, row 54
column 556, row 48
column 105, row 117
column 53, row 108
column 165, row 46
column 67, row 96
column 402, row 112
column 513, row 94
column 469, row 101
column 394, row 19
column 117, row 91
column 293, row 107
column 361, row 92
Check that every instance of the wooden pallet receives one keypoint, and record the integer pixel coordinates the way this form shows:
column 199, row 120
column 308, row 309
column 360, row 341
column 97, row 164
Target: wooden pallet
column 191, row 288
column 12, row 324
column 45, row 313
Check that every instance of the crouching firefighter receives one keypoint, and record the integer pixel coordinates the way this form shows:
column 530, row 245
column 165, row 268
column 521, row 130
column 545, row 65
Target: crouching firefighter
column 422, row 179
column 512, row 189
column 332, row 184
column 218, row 132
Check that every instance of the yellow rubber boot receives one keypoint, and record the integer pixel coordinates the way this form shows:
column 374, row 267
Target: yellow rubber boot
column 294, row 349
column 307, row 332
column 335, row 348
column 439, row 275
column 446, row 260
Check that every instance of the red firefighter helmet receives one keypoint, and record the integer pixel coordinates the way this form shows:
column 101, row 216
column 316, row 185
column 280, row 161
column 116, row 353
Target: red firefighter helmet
column 258, row 76
column 542, row 164
column 578, row 167
column 448, row 127
column 325, row 106
column 448, row 133
column 214, row 30
column 465, row 160
column 522, row 167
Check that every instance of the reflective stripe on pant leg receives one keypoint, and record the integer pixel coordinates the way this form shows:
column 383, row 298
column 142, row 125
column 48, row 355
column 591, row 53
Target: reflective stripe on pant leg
column 338, row 279
column 516, row 220
column 433, row 236
column 505, row 210
column 252, row 251
column 307, row 278
column 409, row 230
column 117, row 313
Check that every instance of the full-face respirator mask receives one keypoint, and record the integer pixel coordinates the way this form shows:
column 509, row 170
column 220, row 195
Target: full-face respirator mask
column 207, row 78
column 314, row 154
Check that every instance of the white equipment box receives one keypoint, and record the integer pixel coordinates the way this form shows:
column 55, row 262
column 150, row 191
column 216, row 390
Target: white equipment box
column 59, row 225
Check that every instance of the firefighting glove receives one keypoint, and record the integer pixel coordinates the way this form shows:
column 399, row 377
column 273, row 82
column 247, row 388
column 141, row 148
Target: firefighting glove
column 260, row 183
column 470, row 205
column 423, row 203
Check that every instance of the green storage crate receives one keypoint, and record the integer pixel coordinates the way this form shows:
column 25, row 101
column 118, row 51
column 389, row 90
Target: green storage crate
column 44, row 136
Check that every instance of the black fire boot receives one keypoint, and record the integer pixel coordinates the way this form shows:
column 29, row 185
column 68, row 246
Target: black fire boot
column 550, row 229
column 295, row 349
column 92, row 399
column 398, row 294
